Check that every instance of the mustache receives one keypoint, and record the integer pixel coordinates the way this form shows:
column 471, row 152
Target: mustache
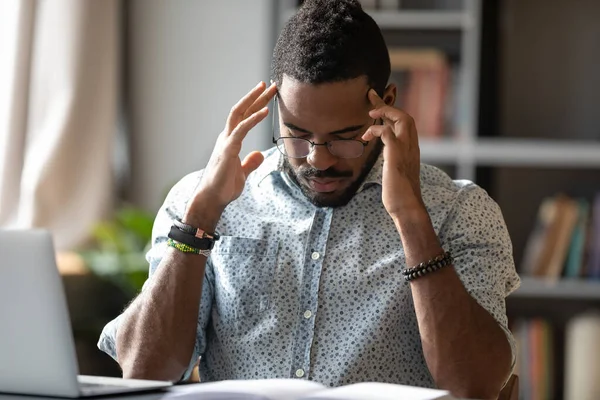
column 310, row 172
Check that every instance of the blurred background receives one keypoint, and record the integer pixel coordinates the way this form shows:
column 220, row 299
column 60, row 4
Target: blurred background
column 104, row 105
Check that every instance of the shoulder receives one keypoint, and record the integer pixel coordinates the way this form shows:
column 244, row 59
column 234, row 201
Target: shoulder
column 437, row 183
column 454, row 198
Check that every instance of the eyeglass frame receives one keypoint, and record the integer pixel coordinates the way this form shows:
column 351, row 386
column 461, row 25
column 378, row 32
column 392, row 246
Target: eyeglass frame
column 313, row 144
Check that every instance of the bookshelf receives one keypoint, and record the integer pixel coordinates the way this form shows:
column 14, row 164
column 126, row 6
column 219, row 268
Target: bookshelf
column 413, row 19
column 512, row 152
column 528, row 91
column 563, row 289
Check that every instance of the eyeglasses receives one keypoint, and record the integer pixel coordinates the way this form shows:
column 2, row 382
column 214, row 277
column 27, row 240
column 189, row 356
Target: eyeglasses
column 294, row 147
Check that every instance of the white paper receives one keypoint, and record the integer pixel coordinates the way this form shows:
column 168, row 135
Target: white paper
column 261, row 389
column 379, row 391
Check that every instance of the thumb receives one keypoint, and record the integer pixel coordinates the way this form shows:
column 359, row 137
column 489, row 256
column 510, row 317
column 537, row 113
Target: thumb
column 251, row 162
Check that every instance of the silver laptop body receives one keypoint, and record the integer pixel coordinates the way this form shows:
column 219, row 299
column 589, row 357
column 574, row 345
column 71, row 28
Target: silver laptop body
column 37, row 352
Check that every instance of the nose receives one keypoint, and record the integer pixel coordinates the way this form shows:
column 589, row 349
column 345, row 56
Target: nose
column 320, row 158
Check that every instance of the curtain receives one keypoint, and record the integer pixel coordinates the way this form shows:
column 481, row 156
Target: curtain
column 59, row 84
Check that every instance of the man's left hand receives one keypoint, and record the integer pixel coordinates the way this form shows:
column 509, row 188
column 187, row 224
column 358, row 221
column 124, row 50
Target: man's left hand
column 402, row 159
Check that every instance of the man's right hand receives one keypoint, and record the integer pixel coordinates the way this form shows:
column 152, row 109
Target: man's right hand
column 225, row 175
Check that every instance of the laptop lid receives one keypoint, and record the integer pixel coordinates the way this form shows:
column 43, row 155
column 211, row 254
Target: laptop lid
column 37, row 352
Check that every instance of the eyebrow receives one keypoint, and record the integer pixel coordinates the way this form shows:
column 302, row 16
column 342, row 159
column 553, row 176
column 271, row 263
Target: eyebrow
column 338, row 132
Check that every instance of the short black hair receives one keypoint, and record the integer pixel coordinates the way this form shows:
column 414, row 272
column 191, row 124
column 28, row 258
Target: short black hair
column 331, row 41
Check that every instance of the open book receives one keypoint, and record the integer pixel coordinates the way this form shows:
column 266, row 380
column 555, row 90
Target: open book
column 292, row 389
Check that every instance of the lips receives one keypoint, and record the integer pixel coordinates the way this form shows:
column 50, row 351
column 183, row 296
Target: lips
column 324, row 185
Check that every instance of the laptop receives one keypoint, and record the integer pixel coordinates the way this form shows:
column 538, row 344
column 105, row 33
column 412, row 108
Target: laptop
column 37, row 351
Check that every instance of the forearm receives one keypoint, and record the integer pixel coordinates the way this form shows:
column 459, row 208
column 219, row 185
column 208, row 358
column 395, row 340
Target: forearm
column 157, row 334
column 156, row 337
column 458, row 336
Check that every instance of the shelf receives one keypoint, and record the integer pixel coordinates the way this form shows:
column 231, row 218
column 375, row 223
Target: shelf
column 513, row 152
column 441, row 151
column 537, row 153
column 564, row 289
column 421, row 19
column 411, row 19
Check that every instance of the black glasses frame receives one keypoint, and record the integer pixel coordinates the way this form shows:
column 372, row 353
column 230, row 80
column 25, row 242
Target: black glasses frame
column 313, row 144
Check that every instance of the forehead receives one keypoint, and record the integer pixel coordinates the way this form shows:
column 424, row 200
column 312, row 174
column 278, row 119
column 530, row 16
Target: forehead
column 306, row 101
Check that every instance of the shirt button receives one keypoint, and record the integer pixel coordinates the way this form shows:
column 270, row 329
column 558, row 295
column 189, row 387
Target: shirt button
column 315, row 256
column 299, row 373
column 307, row 314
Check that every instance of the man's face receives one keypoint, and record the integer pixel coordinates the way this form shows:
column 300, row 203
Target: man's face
column 321, row 113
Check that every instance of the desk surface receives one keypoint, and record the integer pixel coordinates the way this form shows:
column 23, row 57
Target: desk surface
column 130, row 396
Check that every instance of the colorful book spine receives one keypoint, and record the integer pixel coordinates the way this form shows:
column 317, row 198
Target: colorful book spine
column 593, row 267
column 575, row 259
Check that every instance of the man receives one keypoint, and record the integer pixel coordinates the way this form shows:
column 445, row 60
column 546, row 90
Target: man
column 310, row 276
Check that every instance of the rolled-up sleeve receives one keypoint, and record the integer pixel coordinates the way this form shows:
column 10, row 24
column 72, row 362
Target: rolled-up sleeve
column 476, row 235
column 173, row 207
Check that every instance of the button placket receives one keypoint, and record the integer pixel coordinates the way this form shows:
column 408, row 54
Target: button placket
column 313, row 263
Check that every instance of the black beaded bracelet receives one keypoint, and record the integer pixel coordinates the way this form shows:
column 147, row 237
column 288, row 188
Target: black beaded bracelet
column 427, row 267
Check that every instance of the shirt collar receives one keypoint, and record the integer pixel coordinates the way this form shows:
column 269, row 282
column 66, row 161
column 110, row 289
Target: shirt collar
column 273, row 163
column 375, row 175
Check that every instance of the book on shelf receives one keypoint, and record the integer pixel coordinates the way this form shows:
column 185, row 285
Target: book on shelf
column 425, row 88
column 535, row 358
column 582, row 356
column 565, row 239
column 593, row 250
column 578, row 240
column 535, row 244
column 295, row 389
column 554, row 251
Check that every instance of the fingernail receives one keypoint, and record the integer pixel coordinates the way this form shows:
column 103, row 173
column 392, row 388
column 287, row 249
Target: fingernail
column 259, row 83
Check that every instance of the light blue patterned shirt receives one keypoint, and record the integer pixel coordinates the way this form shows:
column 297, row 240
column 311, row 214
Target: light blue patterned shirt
column 293, row 290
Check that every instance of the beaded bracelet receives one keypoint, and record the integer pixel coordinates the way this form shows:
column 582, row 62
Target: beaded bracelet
column 187, row 248
column 427, row 267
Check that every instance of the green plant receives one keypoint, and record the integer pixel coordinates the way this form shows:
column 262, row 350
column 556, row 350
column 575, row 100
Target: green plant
column 119, row 248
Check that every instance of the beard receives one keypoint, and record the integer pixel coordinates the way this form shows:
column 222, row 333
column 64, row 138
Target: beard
column 301, row 174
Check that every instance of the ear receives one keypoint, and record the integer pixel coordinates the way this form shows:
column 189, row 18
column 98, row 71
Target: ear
column 389, row 94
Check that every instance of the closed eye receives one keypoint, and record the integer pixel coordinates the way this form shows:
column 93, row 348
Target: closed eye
column 299, row 135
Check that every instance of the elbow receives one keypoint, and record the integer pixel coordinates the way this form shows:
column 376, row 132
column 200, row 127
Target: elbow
column 138, row 366
column 476, row 386
column 139, row 362
column 473, row 381
column 478, row 390
column 140, row 371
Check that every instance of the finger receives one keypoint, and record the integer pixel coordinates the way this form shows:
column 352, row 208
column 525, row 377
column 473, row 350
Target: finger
column 381, row 131
column 237, row 111
column 389, row 141
column 374, row 98
column 242, row 129
column 382, row 110
column 376, row 131
column 262, row 100
column 251, row 162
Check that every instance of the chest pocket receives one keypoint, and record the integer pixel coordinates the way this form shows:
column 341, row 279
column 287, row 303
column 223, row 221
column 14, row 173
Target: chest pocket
column 244, row 271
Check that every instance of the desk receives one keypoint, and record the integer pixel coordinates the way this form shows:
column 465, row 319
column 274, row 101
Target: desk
column 131, row 396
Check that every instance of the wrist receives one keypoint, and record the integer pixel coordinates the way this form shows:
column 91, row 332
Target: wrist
column 417, row 234
column 200, row 213
column 411, row 216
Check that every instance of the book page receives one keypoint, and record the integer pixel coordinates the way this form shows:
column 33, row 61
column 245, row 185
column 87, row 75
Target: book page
column 379, row 391
column 260, row 389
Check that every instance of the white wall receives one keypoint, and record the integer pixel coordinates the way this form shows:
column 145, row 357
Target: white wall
column 189, row 61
